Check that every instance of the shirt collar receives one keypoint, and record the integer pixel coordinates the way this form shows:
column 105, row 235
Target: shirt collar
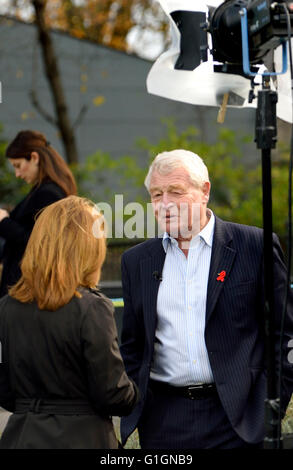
column 206, row 234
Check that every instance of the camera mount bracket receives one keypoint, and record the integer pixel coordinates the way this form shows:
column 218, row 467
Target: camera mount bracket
column 245, row 49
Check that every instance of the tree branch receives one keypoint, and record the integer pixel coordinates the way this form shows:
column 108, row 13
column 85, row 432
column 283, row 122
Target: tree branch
column 80, row 116
column 40, row 109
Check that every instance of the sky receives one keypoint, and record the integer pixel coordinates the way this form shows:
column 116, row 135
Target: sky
column 5, row 9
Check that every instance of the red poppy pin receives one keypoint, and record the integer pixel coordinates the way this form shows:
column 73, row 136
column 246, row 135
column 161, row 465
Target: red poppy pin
column 221, row 276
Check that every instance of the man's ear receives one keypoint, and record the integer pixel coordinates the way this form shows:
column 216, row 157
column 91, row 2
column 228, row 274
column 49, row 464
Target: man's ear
column 35, row 157
column 206, row 191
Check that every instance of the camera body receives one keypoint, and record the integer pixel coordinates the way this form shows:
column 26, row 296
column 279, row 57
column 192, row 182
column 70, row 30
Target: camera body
column 267, row 27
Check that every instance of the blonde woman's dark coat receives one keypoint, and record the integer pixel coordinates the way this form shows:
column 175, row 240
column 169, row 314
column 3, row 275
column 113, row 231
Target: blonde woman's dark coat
column 62, row 375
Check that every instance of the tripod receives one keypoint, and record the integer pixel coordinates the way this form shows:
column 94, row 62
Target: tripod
column 265, row 138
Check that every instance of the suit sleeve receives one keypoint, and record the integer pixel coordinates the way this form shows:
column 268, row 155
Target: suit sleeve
column 14, row 231
column 132, row 337
column 280, row 278
column 111, row 391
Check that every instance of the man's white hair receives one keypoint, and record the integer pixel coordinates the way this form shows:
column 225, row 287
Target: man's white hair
column 166, row 162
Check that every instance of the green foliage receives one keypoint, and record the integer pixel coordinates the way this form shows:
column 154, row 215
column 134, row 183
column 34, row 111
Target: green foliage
column 91, row 174
column 236, row 192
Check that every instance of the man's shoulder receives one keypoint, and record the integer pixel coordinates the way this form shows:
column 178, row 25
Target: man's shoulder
column 240, row 235
column 239, row 229
column 142, row 249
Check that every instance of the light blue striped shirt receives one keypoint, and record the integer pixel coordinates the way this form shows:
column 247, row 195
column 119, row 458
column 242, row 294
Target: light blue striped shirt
column 180, row 354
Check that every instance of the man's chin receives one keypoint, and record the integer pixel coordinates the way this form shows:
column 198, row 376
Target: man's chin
column 166, row 225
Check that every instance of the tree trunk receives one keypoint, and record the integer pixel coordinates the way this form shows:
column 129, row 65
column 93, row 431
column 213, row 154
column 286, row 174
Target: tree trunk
column 54, row 79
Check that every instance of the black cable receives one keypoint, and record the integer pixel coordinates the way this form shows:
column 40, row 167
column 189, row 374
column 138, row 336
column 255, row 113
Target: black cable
column 289, row 247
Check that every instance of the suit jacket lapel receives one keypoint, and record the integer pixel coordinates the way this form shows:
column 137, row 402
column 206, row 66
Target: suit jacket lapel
column 221, row 260
column 148, row 266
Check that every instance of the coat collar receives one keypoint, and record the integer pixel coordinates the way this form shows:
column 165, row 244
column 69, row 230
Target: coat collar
column 222, row 259
column 151, row 268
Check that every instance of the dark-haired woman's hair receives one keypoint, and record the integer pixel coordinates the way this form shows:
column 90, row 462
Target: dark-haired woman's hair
column 51, row 165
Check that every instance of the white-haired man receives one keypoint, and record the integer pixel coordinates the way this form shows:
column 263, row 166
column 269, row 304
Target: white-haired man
column 192, row 336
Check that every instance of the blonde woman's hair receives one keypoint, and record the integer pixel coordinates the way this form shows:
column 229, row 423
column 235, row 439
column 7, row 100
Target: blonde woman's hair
column 64, row 252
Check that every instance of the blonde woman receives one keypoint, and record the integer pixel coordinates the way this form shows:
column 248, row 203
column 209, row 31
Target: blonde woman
column 61, row 373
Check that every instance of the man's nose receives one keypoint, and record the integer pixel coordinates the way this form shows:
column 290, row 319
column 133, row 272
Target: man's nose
column 165, row 201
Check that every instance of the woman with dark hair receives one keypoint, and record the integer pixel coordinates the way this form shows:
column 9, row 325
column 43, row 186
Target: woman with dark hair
column 62, row 375
column 36, row 162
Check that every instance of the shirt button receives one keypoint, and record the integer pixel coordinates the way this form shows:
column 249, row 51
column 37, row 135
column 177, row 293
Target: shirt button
column 189, row 308
column 194, row 361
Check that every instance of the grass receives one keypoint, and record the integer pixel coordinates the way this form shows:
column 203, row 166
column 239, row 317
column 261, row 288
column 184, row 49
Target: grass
column 287, row 423
column 132, row 441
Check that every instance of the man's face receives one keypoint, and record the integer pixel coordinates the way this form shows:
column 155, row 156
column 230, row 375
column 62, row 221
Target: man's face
column 179, row 207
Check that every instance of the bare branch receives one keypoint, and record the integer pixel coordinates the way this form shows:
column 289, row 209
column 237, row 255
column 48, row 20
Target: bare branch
column 40, row 109
column 80, row 116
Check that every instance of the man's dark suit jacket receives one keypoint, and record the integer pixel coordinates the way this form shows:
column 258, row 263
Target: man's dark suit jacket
column 16, row 229
column 234, row 331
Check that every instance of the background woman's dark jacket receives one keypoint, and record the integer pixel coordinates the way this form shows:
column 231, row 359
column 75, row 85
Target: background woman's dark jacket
column 71, row 353
column 17, row 228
